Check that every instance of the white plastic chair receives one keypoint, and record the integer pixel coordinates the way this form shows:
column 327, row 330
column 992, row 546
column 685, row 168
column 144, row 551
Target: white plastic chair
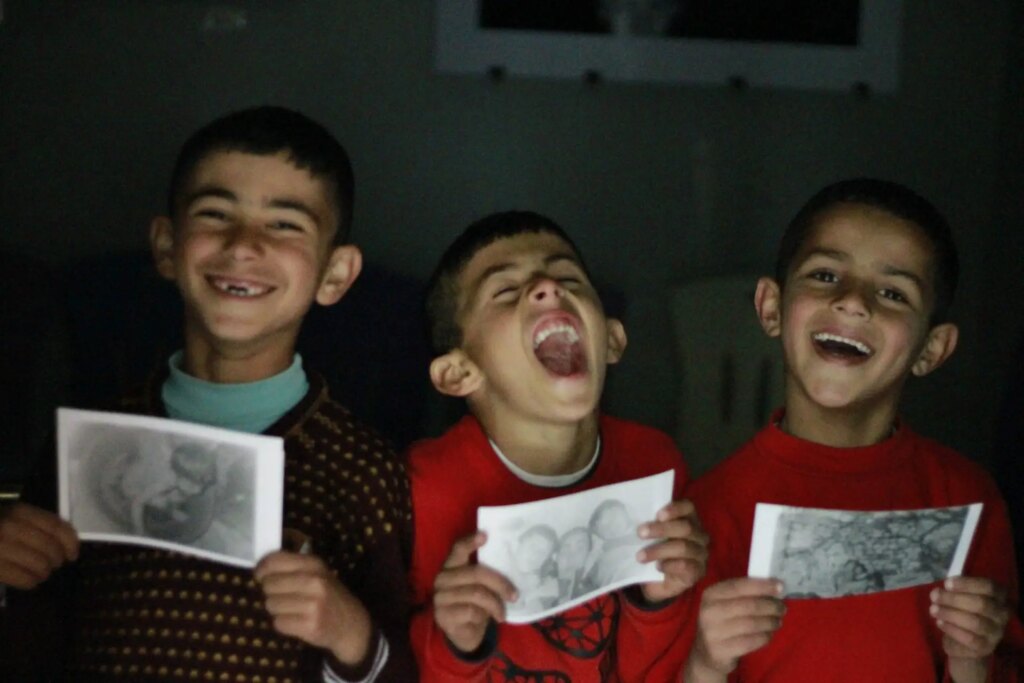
column 730, row 370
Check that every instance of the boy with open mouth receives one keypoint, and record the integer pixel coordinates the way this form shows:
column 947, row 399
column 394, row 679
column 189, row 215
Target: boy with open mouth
column 519, row 332
column 864, row 278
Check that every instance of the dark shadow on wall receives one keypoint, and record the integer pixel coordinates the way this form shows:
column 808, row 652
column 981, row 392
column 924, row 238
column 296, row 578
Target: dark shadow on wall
column 97, row 328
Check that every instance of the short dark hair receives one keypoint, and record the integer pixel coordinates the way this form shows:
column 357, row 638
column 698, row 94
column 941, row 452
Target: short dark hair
column 269, row 130
column 895, row 199
column 442, row 294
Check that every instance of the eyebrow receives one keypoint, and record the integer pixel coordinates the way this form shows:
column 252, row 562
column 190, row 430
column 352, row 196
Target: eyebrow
column 887, row 269
column 505, row 266
column 276, row 203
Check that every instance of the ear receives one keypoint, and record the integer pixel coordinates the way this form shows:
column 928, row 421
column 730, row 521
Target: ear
column 768, row 302
column 454, row 374
column 343, row 267
column 616, row 340
column 161, row 244
column 939, row 346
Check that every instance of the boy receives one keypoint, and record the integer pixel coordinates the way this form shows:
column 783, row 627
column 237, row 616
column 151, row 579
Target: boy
column 864, row 278
column 260, row 209
column 520, row 333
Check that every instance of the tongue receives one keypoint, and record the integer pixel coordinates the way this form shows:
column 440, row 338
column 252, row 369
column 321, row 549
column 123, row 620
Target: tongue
column 560, row 356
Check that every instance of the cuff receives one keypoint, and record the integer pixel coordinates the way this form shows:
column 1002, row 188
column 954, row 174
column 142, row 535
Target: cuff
column 635, row 596
column 366, row 671
column 486, row 648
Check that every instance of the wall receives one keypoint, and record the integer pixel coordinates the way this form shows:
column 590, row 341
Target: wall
column 96, row 96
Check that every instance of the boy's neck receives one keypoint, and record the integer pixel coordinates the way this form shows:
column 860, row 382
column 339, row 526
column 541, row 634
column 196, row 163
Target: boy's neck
column 837, row 427
column 234, row 366
column 542, row 448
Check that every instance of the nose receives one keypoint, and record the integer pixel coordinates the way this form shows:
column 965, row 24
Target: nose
column 545, row 290
column 244, row 241
column 854, row 300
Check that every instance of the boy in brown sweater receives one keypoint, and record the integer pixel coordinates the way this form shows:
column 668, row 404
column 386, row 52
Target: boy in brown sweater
column 260, row 209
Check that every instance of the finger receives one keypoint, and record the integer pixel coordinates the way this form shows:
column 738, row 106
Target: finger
column 685, row 572
column 743, row 587
column 983, row 626
column 284, row 562
column 970, row 643
column 464, row 548
column 313, row 585
column 18, row 536
column 676, row 509
column 31, row 553
column 676, row 548
column 293, row 625
column 50, row 525
column 290, row 604
column 22, row 575
column 475, row 595
column 947, row 602
column 678, row 528
column 477, row 574
column 736, row 610
column 975, row 585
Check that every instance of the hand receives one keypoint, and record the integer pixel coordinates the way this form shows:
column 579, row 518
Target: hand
column 737, row 616
column 467, row 596
column 972, row 614
column 682, row 556
column 33, row 544
column 307, row 601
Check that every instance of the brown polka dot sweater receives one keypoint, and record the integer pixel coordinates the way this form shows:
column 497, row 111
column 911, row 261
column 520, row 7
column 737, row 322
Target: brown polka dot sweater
column 133, row 613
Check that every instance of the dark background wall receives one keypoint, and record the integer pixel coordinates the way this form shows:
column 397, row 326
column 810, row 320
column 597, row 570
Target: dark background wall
column 660, row 184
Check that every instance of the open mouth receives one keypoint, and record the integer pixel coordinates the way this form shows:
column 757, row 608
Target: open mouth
column 841, row 347
column 556, row 344
column 240, row 288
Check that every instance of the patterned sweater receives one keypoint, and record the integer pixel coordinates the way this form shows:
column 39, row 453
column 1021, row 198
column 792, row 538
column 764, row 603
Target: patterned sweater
column 133, row 613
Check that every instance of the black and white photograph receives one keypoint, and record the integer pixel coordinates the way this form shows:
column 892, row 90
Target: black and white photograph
column 834, row 553
column 563, row 551
column 152, row 481
column 772, row 43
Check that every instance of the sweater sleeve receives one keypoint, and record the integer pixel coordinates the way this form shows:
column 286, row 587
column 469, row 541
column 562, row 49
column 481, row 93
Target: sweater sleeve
column 991, row 558
column 379, row 580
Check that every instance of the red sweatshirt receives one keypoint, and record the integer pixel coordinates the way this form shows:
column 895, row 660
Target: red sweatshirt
column 886, row 636
column 613, row 637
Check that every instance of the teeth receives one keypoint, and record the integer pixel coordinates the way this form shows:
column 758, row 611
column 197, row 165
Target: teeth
column 860, row 346
column 560, row 328
column 237, row 289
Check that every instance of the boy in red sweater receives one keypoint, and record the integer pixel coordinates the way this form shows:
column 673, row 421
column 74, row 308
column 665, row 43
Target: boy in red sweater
column 864, row 278
column 520, row 333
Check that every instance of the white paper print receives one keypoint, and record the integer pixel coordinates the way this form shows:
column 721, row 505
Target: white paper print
column 210, row 492
column 831, row 553
column 564, row 551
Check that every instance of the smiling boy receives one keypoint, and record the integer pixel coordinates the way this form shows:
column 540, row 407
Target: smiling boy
column 520, row 333
column 260, row 207
column 864, row 279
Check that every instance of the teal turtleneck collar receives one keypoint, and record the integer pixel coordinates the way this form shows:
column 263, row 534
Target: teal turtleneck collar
column 246, row 407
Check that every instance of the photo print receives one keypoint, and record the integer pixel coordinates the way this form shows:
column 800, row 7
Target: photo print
column 564, row 551
column 833, row 553
column 200, row 490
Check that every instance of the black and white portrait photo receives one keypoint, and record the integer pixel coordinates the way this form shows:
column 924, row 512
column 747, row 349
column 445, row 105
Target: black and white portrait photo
column 170, row 484
column 835, row 553
column 563, row 551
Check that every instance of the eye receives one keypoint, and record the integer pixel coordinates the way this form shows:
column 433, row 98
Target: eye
column 285, row 225
column 826, row 276
column 211, row 214
column 569, row 280
column 506, row 292
column 894, row 295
